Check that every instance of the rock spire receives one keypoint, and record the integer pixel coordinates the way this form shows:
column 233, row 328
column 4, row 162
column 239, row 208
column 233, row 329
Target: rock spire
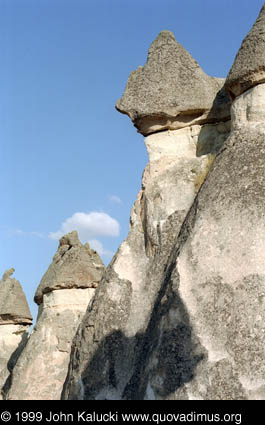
column 171, row 90
column 13, row 304
column 63, row 297
column 248, row 68
column 15, row 321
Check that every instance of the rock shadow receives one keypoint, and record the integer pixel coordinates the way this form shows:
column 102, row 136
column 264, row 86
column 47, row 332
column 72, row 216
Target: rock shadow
column 168, row 352
column 213, row 134
column 12, row 363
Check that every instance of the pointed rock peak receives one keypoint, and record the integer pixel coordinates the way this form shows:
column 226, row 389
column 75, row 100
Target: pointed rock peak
column 248, row 68
column 74, row 266
column 70, row 239
column 171, row 90
column 8, row 273
column 14, row 308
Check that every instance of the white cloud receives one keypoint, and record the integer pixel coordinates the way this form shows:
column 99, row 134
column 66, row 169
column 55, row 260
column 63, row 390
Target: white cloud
column 88, row 225
column 22, row 232
column 115, row 199
column 97, row 246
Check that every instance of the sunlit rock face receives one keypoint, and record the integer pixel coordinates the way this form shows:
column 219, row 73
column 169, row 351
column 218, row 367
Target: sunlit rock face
column 171, row 91
column 209, row 337
column 74, row 266
column 64, row 294
column 15, row 320
column 121, row 326
column 179, row 313
column 248, row 68
column 210, row 343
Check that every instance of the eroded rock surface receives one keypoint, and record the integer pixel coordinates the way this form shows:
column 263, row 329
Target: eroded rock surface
column 210, row 341
column 74, row 266
column 119, row 329
column 171, row 91
column 13, row 304
column 179, row 313
column 64, row 294
column 15, row 320
column 248, row 69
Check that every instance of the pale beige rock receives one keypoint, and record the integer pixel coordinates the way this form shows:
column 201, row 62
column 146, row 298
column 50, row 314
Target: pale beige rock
column 215, row 323
column 64, row 294
column 249, row 108
column 42, row 368
column 13, row 338
column 121, row 310
column 15, row 320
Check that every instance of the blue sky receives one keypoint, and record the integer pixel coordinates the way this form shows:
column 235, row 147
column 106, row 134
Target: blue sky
column 68, row 158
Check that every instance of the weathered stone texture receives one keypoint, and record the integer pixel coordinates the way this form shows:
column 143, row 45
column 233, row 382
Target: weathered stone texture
column 171, row 91
column 64, row 294
column 15, row 320
column 248, row 68
column 115, row 326
column 180, row 312
column 13, row 304
column 41, row 369
column 74, row 266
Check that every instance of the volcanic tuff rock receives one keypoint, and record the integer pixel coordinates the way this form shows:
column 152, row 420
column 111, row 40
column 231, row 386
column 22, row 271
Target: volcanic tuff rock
column 172, row 91
column 64, row 293
column 15, row 320
column 13, row 304
column 74, row 266
column 179, row 313
column 119, row 329
column 248, row 68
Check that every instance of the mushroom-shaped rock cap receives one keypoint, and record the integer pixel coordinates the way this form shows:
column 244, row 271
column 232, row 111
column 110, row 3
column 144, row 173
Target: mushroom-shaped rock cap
column 248, row 68
column 171, row 90
column 74, row 266
column 14, row 308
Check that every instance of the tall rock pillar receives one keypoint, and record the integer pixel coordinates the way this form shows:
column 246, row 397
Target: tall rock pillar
column 184, row 115
column 15, row 321
column 63, row 296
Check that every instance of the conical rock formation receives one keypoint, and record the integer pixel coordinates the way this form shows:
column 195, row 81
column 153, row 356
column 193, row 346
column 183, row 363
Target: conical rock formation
column 171, row 91
column 15, row 320
column 118, row 329
column 63, row 294
column 74, row 266
column 248, row 68
column 179, row 313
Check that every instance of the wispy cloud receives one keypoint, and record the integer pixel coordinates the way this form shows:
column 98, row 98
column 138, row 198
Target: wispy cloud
column 23, row 233
column 115, row 199
column 89, row 226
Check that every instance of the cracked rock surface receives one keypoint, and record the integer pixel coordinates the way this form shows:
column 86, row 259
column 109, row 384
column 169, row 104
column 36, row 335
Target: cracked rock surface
column 121, row 327
column 180, row 312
